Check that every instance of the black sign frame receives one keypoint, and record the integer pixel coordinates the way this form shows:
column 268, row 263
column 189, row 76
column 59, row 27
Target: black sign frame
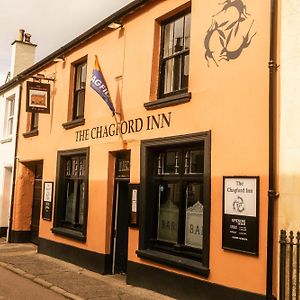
column 240, row 232
column 47, row 201
column 41, row 90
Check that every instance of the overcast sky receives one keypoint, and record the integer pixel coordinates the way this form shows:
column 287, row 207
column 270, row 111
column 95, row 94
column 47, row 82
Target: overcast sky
column 51, row 24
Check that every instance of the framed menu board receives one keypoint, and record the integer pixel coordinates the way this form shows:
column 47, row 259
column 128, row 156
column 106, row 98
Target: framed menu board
column 240, row 230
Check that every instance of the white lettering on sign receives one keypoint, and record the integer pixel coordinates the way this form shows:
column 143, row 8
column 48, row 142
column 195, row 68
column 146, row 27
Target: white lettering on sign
column 99, row 84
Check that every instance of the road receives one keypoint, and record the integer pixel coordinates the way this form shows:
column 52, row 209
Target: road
column 15, row 287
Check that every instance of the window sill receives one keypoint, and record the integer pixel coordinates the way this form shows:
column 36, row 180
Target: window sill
column 182, row 263
column 31, row 133
column 77, row 235
column 168, row 101
column 6, row 140
column 73, row 123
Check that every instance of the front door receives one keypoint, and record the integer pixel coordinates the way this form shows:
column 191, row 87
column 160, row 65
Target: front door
column 36, row 203
column 121, row 214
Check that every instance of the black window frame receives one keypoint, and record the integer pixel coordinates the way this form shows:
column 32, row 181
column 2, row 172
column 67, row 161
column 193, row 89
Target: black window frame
column 185, row 258
column 80, row 90
column 163, row 60
column 59, row 225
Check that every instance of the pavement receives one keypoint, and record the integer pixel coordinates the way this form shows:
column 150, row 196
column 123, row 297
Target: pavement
column 66, row 279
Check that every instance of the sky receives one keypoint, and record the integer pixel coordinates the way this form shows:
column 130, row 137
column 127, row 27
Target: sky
column 51, row 24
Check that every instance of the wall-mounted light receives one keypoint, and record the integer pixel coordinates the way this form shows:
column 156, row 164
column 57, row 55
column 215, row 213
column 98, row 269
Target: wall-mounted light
column 59, row 58
column 115, row 25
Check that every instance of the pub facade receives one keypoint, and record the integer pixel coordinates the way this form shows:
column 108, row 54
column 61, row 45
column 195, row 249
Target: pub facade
column 172, row 189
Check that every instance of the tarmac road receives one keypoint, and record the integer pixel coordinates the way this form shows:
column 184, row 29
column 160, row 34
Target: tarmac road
column 15, row 287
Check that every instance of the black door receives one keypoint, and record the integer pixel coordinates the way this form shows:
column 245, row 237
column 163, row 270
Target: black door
column 36, row 203
column 121, row 214
column 121, row 233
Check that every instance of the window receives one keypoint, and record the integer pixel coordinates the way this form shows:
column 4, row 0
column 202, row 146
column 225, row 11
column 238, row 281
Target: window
column 72, row 193
column 34, row 122
column 174, row 57
column 176, row 201
column 79, row 90
column 9, row 119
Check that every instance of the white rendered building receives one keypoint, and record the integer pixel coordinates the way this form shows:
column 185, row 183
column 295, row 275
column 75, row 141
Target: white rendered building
column 23, row 52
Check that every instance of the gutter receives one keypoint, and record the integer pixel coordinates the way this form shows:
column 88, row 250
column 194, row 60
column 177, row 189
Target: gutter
column 272, row 195
column 10, row 221
column 115, row 17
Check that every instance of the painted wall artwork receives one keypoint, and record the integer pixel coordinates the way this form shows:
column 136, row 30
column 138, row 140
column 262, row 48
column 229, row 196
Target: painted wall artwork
column 230, row 33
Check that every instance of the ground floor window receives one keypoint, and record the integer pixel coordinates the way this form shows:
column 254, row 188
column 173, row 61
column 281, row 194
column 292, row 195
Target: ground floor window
column 71, row 193
column 175, row 203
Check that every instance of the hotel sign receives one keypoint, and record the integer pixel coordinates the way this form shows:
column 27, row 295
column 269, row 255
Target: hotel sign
column 240, row 214
column 38, row 97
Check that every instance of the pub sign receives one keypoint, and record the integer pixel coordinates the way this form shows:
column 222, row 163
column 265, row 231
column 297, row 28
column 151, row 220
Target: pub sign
column 38, row 97
column 240, row 214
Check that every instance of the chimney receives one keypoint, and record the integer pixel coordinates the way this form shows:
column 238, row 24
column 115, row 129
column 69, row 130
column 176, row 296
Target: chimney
column 23, row 53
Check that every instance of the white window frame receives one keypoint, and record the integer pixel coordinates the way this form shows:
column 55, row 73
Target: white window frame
column 9, row 116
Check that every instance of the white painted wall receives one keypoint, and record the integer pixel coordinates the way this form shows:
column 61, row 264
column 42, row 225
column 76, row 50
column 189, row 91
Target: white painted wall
column 22, row 57
column 289, row 151
column 7, row 153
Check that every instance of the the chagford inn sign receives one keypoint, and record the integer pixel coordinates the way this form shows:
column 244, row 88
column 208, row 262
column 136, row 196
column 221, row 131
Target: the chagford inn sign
column 125, row 127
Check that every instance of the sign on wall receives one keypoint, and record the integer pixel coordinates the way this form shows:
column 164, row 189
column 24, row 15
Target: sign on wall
column 47, row 201
column 38, row 97
column 134, row 192
column 240, row 214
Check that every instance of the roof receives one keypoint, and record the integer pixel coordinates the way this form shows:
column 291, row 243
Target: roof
column 115, row 17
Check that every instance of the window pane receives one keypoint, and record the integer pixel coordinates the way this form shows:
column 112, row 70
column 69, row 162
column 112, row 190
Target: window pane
column 80, row 77
column 185, row 75
column 177, row 73
column 68, row 167
column 79, row 104
column 194, row 216
column 81, row 202
column 194, row 161
column 168, row 214
column 83, row 76
column 187, row 31
column 178, row 35
column 168, row 163
column 74, row 167
column 11, row 108
column 168, row 39
column 10, row 126
column 34, row 121
column 169, row 74
column 70, row 202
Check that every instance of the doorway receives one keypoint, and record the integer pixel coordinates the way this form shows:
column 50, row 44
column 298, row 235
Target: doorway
column 121, row 213
column 36, row 202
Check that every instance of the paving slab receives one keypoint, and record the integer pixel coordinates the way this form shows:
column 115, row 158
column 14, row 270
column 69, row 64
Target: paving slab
column 66, row 279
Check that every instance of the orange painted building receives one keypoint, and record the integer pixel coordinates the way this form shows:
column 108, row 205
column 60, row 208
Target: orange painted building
column 176, row 194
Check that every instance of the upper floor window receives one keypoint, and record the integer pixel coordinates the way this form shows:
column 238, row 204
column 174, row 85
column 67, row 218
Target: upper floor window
column 79, row 90
column 174, row 57
column 9, row 116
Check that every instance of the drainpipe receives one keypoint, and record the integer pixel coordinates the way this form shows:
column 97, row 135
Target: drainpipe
column 272, row 195
column 10, row 222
